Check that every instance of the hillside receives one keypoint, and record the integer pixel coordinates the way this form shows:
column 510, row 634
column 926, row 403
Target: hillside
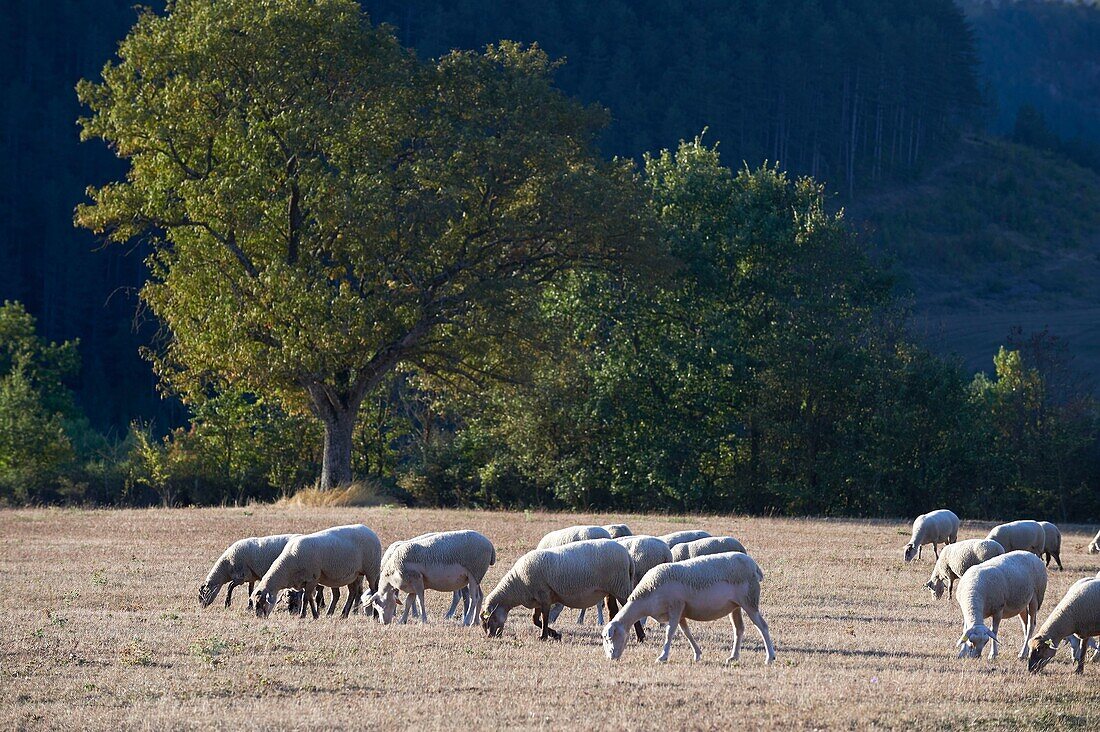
column 1000, row 235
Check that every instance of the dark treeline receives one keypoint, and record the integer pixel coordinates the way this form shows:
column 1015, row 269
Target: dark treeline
column 851, row 93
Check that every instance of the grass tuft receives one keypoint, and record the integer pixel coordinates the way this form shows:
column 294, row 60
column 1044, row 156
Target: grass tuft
column 361, row 494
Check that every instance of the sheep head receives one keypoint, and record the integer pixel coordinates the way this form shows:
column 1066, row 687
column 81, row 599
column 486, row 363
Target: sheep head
column 973, row 641
column 493, row 619
column 207, row 594
column 264, row 602
column 384, row 602
column 911, row 552
column 936, row 587
column 614, row 639
column 1042, row 649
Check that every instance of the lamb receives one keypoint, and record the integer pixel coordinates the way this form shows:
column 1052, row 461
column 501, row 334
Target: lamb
column 446, row 561
column 682, row 537
column 1094, row 545
column 956, row 559
column 336, row 557
column 934, row 527
column 1011, row 584
column 1027, row 536
column 579, row 574
column 1077, row 614
column 571, row 534
column 704, row 588
column 1052, row 546
column 705, row 546
column 246, row 560
column 618, row 531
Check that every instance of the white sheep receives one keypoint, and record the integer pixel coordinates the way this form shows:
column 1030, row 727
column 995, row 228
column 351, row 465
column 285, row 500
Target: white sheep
column 246, row 560
column 1020, row 536
column 1052, row 544
column 580, row 574
column 411, row 603
column 707, row 545
column 956, row 558
column 1011, row 584
column 560, row 537
column 618, row 531
column 1077, row 614
column 337, row 557
column 446, row 561
column 1094, row 545
column 705, row 588
column 935, row 528
column 682, row 537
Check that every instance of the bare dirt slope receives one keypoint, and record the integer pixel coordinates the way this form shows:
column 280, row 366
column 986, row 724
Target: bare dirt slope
column 100, row 629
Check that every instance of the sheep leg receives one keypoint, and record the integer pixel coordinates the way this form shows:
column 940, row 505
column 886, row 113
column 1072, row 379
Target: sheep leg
column 996, row 634
column 335, row 599
column 691, row 639
column 738, row 634
column 580, row 617
column 1080, row 667
column 639, row 630
column 547, row 631
column 311, row 594
column 229, row 594
column 410, row 604
column 1025, row 626
column 599, row 615
column 919, row 548
column 455, row 597
column 472, row 608
column 467, row 603
column 555, row 611
column 670, row 633
column 612, row 608
column 950, row 585
column 762, row 626
column 936, row 550
column 355, row 589
column 1058, row 559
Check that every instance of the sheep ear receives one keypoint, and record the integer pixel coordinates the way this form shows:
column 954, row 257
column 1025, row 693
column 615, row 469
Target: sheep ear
column 962, row 641
column 1051, row 644
column 397, row 599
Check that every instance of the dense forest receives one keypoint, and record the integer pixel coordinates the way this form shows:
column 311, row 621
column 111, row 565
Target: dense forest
column 678, row 391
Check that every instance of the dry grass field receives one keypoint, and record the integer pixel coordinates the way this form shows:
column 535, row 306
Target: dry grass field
column 100, row 629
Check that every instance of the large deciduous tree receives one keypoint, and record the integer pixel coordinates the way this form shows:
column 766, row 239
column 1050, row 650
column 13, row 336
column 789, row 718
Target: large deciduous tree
column 323, row 206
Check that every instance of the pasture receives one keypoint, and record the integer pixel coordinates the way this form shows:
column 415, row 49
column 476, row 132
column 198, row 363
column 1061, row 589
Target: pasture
column 100, row 629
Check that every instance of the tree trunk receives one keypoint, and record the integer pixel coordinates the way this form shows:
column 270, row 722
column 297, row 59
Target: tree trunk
column 336, row 462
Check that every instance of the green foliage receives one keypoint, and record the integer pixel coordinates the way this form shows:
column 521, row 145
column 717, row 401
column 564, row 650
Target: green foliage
column 324, row 206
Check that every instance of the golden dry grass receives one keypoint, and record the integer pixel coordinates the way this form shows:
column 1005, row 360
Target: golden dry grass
column 100, row 629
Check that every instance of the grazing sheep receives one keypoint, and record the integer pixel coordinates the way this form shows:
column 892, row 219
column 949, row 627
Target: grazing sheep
column 246, row 560
column 336, row 557
column 705, row 588
column 1011, row 584
column 1094, row 545
column 682, row 537
column 935, row 528
column 579, row 574
column 1077, row 614
column 956, row 559
column 705, row 546
column 568, row 535
column 618, row 531
column 1052, row 544
column 560, row 537
column 1020, row 536
column 444, row 561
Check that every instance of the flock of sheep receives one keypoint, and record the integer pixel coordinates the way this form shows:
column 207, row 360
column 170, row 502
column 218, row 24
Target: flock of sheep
column 1003, row 576
column 686, row 575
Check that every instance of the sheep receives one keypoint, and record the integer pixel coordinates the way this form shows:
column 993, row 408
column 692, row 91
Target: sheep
column 956, row 559
column 411, row 603
column 704, row 588
column 682, row 537
column 1011, row 584
column 579, row 574
column 934, row 527
column 1052, row 544
column 443, row 561
column 570, row 534
column 705, row 546
column 618, row 531
column 1026, row 536
column 246, row 560
column 1078, row 613
column 1094, row 545
column 340, row 556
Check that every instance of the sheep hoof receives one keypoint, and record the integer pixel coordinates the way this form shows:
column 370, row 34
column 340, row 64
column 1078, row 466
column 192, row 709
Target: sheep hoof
column 662, row 659
column 731, row 660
